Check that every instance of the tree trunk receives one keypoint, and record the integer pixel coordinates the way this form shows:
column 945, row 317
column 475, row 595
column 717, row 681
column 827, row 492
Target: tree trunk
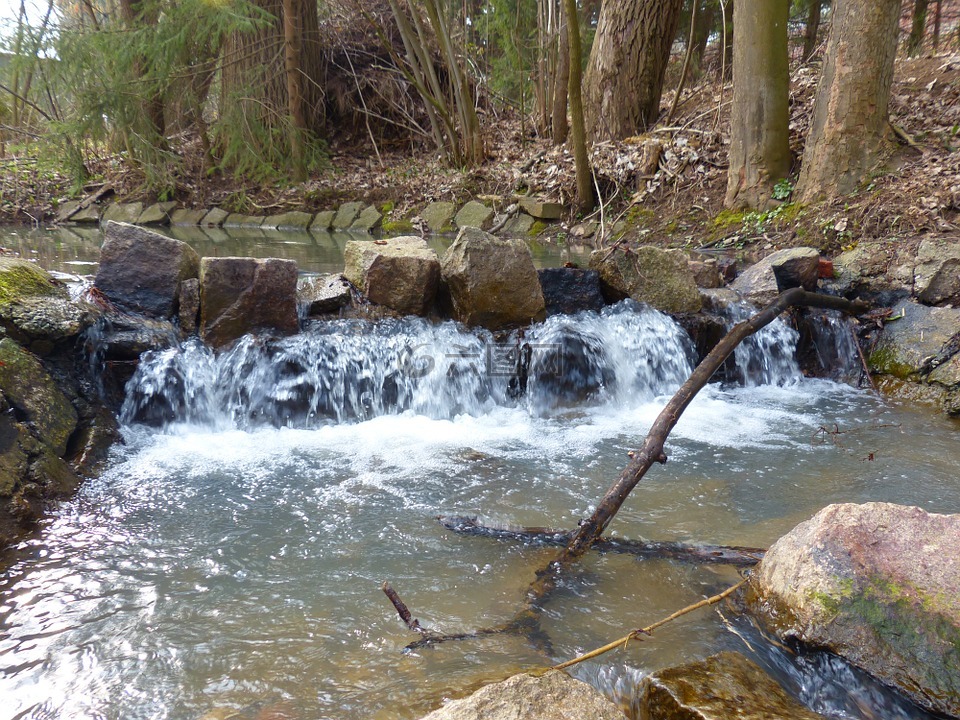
column 812, row 29
column 624, row 77
column 918, row 26
column 559, row 125
column 703, row 28
column 937, row 15
column 585, row 197
column 849, row 122
column 135, row 14
column 760, row 115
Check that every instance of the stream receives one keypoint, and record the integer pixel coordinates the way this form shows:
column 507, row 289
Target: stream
column 231, row 556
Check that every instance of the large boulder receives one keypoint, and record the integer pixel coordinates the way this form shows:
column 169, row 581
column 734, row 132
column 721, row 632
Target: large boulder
column 762, row 282
column 879, row 585
column 36, row 310
column 32, row 392
column 552, row 696
column 492, row 281
column 401, row 273
column 659, row 278
column 241, row 295
column 142, row 270
column 919, row 333
column 936, row 276
column 570, row 290
column 725, row 685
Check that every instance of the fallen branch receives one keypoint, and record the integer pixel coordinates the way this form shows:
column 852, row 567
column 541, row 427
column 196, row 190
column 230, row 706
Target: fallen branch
column 648, row 630
column 704, row 554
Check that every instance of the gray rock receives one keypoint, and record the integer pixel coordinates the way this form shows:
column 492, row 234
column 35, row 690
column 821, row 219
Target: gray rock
column 439, row 216
column 189, row 305
column 585, row 229
column 492, row 281
column 29, row 388
column 214, row 218
column 238, row 220
column 67, row 210
column 936, row 276
column 346, row 215
column 541, row 210
column 142, row 270
column 474, row 215
column 570, row 290
column 323, row 220
column 779, row 271
column 400, row 273
column 369, row 219
column 723, row 686
column 288, row 221
column 660, row 278
column 242, row 295
column 879, row 585
column 520, row 225
column 706, row 274
column 552, row 696
column 182, row 216
column 323, row 293
column 122, row 212
column 89, row 214
column 906, row 343
column 126, row 337
column 157, row 214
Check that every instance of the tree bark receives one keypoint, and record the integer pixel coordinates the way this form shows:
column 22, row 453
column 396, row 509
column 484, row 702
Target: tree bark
column 559, row 124
column 918, row 26
column 704, row 27
column 760, row 115
column 585, row 196
column 625, row 71
column 812, row 29
column 849, row 122
column 291, row 56
column 135, row 14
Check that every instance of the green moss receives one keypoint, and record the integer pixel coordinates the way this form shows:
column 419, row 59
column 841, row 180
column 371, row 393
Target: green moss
column 397, row 226
column 538, row 227
column 20, row 279
column 671, row 227
column 728, row 218
column 884, row 360
column 387, row 207
column 640, row 216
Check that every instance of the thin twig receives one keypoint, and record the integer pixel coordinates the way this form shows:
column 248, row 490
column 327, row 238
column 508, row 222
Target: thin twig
column 648, row 630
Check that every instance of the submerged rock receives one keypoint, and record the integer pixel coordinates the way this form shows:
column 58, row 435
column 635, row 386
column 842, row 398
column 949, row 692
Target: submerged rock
column 142, row 270
column 879, row 585
column 570, row 290
column 552, row 696
column 241, row 295
column 492, row 281
column 779, row 271
column 401, row 273
column 725, row 685
column 660, row 278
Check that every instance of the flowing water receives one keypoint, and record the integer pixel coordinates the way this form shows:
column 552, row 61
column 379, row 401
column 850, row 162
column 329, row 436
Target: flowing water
column 232, row 554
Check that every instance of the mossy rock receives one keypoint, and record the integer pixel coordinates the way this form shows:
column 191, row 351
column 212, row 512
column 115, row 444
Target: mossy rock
column 20, row 280
column 660, row 278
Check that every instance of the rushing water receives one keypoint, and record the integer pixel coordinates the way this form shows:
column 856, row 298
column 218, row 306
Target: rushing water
column 232, row 555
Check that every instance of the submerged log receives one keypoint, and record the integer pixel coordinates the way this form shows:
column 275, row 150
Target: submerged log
column 683, row 552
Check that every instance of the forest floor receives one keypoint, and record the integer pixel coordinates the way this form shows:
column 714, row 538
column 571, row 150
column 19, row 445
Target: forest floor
column 679, row 203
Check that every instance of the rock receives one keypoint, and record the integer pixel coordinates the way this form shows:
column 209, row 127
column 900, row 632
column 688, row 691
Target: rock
column 552, row 696
column 238, row 220
column 182, row 216
column 214, row 218
column 122, row 212
column 936, row 276
column 29, row 388
column 879, row 585
column 323, row 220
column 492, row 281
column 67, row 210
column 369, row 219
column 725, row 685
column 779, row 271
column 125, row 337
column 346, row 214
column 288, row 221
column 660, row 278
column 706, row 274
column 142, row 270
column 585, row 229
column 401, row 273
column 189, row 305
column 14, row 459
column 439, row 216
column 541, row 210
column 93, row 441
column 241, row 295
column 21, row 279
column 324, row 293
column 906, row 343
column 157, row 214
column 570, row 290
column 519, row 226
column 475, row 215
column 89, row 214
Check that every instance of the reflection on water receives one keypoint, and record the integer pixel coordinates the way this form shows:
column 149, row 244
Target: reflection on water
column 76, row 249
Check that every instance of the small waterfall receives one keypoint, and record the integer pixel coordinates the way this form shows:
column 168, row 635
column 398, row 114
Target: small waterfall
column 353, row 370
column 828, row 345
column 768, row 357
